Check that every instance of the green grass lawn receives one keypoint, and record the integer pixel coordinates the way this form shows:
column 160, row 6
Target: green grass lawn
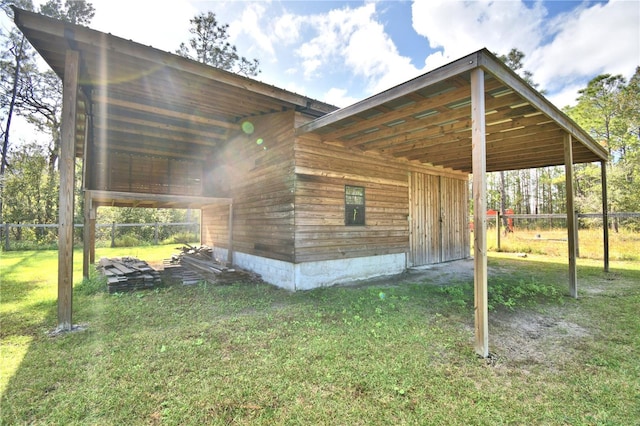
column 397, row 352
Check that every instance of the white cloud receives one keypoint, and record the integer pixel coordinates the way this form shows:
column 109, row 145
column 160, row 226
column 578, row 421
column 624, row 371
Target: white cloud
column 353, row 38
column 459, row 28
column 286, row 28
column 603, row 38
column 145, row 21
column 250, row 24
column 566, row 96
column 339, row 98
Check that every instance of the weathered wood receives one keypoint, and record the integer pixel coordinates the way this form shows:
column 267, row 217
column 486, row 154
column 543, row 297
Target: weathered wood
column 571, row 222
column 260, row 181
column 67, row 176
column 498, row 218
column 86, row 236
column 177, row 201
column 479, row 213
column 425, row 223
column 230, row 236
column 128, row 274
column 605, row 215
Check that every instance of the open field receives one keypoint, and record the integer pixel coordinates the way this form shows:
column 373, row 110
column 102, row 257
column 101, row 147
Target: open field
column 393, row 351
column 623, row 245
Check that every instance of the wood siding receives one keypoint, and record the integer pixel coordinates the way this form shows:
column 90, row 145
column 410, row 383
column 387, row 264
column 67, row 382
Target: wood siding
column 322, row 171
column 256, row 170
column 289, row 198
column 455, row 220
column 424, row 234
column 438, row 219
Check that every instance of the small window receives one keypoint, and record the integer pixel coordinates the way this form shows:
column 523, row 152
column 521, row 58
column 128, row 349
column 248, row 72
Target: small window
column 353, row 205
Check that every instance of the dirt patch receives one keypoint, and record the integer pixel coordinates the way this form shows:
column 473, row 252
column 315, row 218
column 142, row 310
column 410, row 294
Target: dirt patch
column 529, row 338
column 522, row 338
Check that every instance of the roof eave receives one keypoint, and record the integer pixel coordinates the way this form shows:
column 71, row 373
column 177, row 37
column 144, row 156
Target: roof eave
column 452, row 69
column 29, row 21
column 490, row 63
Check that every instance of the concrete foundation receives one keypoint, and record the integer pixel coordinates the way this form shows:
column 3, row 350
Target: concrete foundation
column 309, row 275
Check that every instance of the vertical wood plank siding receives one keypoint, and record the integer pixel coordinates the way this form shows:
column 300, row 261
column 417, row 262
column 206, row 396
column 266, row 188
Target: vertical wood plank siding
column 455, row 220
column 438, row 229
column 258, row 175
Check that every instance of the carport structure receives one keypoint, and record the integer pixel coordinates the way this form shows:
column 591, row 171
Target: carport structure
column 148, row 126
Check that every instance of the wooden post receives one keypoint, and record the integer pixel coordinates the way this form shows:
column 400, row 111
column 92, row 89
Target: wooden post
column 479, row 169
column 605, row 214
column 577, row 222
column 155, row 234
column 92, row 230
column 230, row 242
column 571, row 223
column 113, row 234
column 65, row 206
column 498, row 230
column 6, row 237
column 86, row 235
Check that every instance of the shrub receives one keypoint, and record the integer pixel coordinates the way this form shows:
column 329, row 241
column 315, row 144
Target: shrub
column 127, row 241
column 504, row 294
column 181, row 238
column 96, row 283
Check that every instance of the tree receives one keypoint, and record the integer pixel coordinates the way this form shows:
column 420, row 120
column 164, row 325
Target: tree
column 520, row 197
column 608, row 109
column 27, row 188
column 210, row 46
column 16, row 57
column 74, row 11
column 26, row 90
column 513, row 60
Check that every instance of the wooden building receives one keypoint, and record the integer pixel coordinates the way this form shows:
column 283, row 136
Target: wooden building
column 299, row 191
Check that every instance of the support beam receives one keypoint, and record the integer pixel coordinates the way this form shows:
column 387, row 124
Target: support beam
column 479, row 153
column 571, row 222
column 86, row 232
column 605, row 214
column 230, row 242
column 498, row 218
column 86, row 236
column 67, row 176
column 92, row 234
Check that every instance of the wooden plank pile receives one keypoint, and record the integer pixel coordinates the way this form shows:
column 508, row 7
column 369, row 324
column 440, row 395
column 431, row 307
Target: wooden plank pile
column 194, row 264
column 128, row 274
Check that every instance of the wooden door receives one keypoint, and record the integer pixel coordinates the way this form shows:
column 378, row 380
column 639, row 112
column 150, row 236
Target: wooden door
column 454, row 196
column 438, row 230
column 424, row 219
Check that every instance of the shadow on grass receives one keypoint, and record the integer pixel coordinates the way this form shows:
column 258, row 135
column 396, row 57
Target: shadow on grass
column 248, row 352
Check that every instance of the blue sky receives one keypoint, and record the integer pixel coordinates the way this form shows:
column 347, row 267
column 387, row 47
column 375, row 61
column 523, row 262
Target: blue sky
column 344, row 51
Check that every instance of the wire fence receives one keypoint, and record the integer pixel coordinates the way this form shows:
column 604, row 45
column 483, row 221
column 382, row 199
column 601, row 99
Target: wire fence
column 30, row 236
column 559, row 221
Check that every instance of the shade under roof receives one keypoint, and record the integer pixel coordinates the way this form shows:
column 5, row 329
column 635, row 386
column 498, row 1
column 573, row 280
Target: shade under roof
column 428, row 120
column 146, row 101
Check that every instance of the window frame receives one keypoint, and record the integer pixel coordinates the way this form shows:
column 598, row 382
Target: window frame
column 354, row 213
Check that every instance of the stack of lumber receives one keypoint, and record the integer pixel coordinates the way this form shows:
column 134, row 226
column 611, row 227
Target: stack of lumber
column 128, row 274
column 194, row 264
